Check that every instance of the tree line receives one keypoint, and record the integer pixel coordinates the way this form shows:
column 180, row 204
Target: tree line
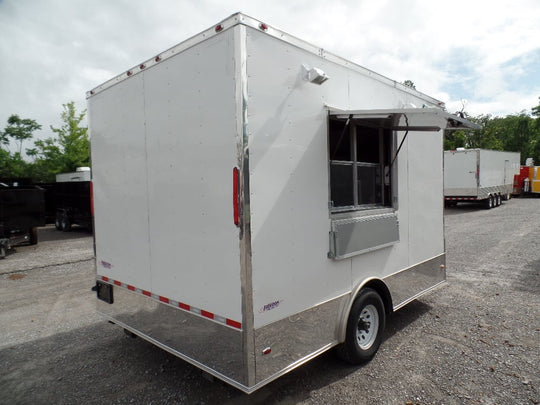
column 513, row 133
column 69, row 147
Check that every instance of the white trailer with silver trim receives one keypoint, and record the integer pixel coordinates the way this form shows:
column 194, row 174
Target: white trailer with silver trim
column 251, row 207
column 479, row 175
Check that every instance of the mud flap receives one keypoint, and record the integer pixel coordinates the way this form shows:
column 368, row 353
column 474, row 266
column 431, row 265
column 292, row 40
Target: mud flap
column 104, row 291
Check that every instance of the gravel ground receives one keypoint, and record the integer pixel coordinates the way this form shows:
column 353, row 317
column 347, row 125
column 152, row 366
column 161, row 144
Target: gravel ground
column 474, row 341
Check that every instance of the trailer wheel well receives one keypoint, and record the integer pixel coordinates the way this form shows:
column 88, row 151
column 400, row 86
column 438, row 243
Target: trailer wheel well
column 382, row 290
column 375, row 284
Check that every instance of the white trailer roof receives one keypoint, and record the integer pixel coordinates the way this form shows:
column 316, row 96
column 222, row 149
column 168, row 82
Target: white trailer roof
column 242, row 19
column 412, row 114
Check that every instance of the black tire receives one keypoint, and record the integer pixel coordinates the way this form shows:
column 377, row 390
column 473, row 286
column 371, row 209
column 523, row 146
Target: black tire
column 65, row 225
column 58, row 224
column 365, row 327
column 499, row 200
column 2, row 251
column 33, row 232
column 489, row 203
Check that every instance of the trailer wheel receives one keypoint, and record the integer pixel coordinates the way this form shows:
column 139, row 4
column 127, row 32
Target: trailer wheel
column 2, row 251
column 499, row 200
column 364, row 328
column 489, row 202
column 33, row 232
column 65, row 225
column 58, row 224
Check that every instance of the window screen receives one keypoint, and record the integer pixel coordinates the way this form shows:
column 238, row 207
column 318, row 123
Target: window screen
column 358, row 157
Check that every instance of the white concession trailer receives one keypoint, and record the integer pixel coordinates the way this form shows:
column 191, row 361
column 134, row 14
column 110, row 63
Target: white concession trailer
column 479, row 175
column 251, row 207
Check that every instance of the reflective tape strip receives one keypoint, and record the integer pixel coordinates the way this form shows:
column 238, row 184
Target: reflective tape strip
column 460, row 198
column 176, row 304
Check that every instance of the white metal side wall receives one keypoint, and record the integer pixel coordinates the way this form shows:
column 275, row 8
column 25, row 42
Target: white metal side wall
column 288, row 153
column 164, row 144
column 494, row 171
column 425, row 195
column 460, row 173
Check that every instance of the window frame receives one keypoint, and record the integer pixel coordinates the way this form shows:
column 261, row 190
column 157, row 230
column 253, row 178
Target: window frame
column 385, row 147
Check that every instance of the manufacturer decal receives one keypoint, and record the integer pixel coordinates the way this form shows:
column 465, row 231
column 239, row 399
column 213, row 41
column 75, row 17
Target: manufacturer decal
column 106, row 265
column 270, row 306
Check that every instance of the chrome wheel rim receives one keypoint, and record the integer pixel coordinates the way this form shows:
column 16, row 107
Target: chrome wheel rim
column 368, row 327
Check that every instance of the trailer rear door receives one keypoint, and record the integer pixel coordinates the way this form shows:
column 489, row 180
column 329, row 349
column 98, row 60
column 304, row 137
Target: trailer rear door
column 461, row 169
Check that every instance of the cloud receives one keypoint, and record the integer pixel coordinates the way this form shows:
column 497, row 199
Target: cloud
column 53, row 51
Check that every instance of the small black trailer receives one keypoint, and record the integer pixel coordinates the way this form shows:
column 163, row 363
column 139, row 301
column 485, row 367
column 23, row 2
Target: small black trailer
column 22, row 210
column 72, row 203
column 68, row 203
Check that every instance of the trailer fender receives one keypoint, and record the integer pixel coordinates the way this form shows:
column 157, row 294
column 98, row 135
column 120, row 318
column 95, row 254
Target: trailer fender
column 374, row 283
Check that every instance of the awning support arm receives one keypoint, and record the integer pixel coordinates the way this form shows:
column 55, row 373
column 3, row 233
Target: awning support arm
column 401, row 143
column 341, row 136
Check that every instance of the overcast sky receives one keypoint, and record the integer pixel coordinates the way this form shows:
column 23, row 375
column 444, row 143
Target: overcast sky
column 486, row 52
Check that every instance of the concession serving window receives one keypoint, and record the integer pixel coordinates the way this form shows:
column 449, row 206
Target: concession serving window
column 362, row 151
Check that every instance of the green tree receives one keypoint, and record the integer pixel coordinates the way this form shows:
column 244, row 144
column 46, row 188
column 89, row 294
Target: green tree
column 515, row 133
column 17, row 130
column 68, row 150
column 536, row 110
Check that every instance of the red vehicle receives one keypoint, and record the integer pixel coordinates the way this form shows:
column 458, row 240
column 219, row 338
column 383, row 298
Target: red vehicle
column 519, row 180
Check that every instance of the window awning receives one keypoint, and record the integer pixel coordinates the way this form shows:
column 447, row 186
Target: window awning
column 415, row 119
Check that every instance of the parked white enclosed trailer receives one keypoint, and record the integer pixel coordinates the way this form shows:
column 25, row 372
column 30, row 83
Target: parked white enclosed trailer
column 251, row 209
column 479, row 175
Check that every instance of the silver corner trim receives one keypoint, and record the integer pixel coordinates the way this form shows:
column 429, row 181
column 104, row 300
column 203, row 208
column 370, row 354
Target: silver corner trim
column 248, row 340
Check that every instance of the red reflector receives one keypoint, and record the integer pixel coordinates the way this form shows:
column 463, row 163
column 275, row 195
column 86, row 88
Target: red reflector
column 184, row 306
column 131, row 288
column 147, row 293
column 157, row 58
column 105, row 278
column 117, row 282
column 207, row 314
column 129, row 73
column 263, row 26
column 234, row 324
column 141, row 66
column 236, row 195
column 164, row 299
column 219, row 28
column 268, row 350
